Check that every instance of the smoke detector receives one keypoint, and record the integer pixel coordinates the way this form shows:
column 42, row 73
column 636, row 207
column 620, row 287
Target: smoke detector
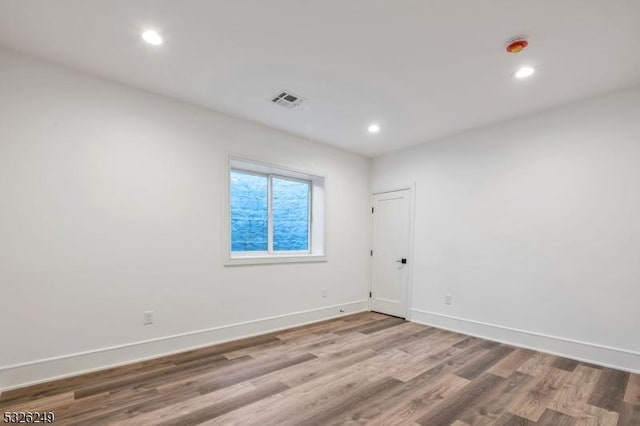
column 287, row 99
column 517, row 44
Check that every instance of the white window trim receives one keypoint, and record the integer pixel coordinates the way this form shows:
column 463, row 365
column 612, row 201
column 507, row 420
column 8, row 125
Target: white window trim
column 317, row 226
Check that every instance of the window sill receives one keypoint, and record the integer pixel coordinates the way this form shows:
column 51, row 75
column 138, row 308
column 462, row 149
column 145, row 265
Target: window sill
column 259, row 260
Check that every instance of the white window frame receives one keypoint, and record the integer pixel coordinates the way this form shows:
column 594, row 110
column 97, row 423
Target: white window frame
column 270, row 232
column 316, row 211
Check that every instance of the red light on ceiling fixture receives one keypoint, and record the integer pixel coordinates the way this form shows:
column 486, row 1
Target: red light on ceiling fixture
column 517, row 46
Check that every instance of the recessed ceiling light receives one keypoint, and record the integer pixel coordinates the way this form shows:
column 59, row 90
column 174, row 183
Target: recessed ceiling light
column 525, row 72
column 152, row 37
column 374, row 128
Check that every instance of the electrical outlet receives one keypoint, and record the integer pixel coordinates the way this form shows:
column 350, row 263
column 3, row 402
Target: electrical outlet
column 148, row 317
column 448, row 299
column 342, row 309
column 324, row 292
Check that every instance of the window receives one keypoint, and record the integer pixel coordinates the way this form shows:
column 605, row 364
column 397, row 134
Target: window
column 274, row 214
column 290, row 211
column 269, row 213
column 249, row 212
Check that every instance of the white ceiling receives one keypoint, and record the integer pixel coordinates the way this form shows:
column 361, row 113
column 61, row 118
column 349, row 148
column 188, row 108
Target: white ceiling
column 423, row 69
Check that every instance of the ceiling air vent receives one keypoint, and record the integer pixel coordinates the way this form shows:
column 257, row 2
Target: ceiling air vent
column 287, row 99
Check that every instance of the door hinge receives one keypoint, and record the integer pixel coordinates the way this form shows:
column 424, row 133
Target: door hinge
column 371, row 210
column 371, row 252
column 369, row 295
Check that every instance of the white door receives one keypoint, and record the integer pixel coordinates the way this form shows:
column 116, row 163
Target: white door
column 390, row 271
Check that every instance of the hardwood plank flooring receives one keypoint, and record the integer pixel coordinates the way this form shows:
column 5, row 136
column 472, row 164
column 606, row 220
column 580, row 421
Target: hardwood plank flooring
column 366, row 368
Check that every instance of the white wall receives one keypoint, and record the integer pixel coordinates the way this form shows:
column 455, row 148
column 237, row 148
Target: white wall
column 110, row 205
column 533, row 225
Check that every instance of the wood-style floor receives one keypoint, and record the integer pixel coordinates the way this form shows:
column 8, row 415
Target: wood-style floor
column 362, row 369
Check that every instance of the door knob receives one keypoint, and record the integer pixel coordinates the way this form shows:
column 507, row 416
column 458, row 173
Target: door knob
column 403, row 261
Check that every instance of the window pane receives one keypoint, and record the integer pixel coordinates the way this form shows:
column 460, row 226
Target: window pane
column 290, row 215
column 248, row 212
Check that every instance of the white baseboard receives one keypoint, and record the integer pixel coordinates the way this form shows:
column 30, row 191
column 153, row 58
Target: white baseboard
column 606, row 356
column 34, row 372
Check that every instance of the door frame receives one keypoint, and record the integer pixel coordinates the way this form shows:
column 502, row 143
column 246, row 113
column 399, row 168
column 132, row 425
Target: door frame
column 412, row 191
